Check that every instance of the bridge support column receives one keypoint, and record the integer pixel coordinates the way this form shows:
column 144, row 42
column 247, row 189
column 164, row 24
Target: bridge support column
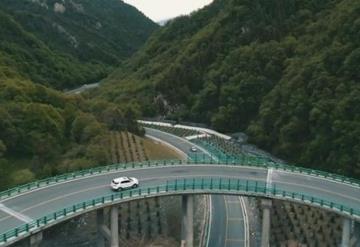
column 36, row 239
column 114, row 224
column 346, row 231
column 265, row 234
column 187, row 226
column 356, row 234
column 100, row 223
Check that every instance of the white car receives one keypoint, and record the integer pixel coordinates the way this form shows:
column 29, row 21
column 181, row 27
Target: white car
column 193, row 149
column 123, row 183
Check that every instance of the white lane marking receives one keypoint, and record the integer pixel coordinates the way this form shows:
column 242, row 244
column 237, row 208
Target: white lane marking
column 227, row 220
column 269, row 180
column 210, row 223
column 15, row 214
column 205, row 222
column 246, row 222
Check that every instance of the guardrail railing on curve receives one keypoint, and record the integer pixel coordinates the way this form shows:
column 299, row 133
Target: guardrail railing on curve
column 194, row 158
column 258, row 161
column 83, row 173
column 252, row 161
column 203, row 185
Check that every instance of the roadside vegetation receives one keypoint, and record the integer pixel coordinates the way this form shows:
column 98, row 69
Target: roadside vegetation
column 44, row 132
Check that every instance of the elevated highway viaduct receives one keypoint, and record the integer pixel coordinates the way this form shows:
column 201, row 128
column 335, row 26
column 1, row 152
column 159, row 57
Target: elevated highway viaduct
column 27, row 211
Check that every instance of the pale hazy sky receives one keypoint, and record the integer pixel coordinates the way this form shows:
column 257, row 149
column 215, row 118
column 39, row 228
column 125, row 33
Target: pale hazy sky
column 159, row 10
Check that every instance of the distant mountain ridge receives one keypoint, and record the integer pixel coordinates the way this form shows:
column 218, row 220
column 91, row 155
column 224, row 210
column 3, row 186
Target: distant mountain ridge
column 92, row 36
column 163, row 22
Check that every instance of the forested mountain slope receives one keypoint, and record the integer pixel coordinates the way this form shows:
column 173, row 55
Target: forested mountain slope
column 47, row 45
column 44, row 132
column 65, row 43
column 287, row 72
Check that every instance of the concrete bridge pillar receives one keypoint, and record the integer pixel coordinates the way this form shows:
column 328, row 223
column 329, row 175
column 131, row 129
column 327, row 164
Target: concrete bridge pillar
column 114, row 224
column 36, row 239
column 266, row 205
column 100, row 223
column 346, row 233
column 187, row 226
column 355, row 240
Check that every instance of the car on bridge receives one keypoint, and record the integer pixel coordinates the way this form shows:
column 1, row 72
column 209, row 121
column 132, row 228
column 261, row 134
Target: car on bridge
column 123, row 183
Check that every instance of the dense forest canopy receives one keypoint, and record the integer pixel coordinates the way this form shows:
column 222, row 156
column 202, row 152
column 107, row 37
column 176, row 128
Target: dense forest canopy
column 286, row 72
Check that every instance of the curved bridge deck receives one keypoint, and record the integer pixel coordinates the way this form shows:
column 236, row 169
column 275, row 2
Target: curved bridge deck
column 37, row 208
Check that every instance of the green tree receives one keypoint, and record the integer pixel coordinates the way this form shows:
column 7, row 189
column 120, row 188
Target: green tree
column 22, row 176
column 2, row 148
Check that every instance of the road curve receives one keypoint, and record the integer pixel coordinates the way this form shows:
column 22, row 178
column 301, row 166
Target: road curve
column 47, row 200
column 24, row 207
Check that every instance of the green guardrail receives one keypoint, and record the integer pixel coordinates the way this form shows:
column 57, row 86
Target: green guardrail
column 252, row 161
column 83, row 173
column 208, row 185
column 219, row 156
column 194, row 159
